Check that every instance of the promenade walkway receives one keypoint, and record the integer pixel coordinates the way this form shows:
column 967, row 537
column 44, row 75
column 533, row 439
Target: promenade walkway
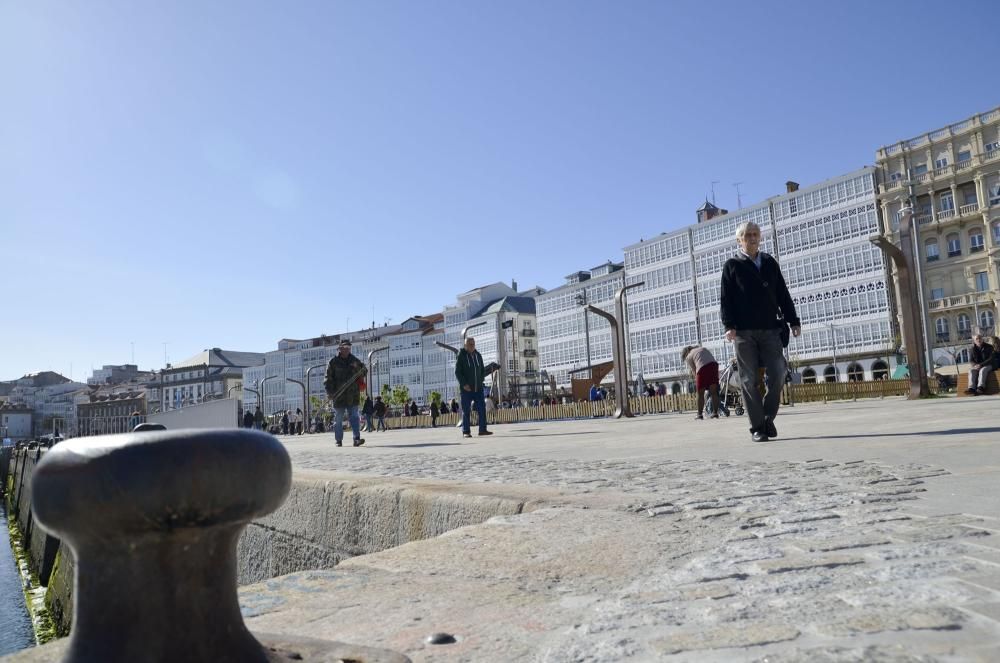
column 867, row 531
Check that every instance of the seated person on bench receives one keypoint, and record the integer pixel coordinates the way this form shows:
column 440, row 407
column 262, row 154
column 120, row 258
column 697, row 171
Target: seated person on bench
column 981, row 357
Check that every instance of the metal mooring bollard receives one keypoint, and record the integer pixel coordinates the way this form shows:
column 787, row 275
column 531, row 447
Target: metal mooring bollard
column 153, row 519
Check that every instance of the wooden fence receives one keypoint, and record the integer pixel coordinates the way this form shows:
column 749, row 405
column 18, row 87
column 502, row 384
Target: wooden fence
column 671, row 403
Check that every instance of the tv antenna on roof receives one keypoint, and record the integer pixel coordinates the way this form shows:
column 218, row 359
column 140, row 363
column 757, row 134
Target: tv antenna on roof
column 739, row 200
column 714, row 182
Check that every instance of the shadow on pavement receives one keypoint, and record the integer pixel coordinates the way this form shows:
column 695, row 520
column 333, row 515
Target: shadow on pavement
column 950, row 431
column 423, row 444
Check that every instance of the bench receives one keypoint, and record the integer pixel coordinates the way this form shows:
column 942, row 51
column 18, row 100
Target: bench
column 992, row 386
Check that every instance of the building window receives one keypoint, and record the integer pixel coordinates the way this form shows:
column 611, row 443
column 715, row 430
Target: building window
column 830, row 374
column 941, row 163
column 941, row 332
column 996, row 231
column 986, row 322
column 920, row 169
column 855, row 373
column 809, row 376
column 880, row 370
column 964, row 328
column 947, row 202
column 995, row 194
column 931, row 250
column 954, row 245
column 976, row 240
column 893, row 177
column 937, row 293
column 970, row 197
column 963, row 356
column 982, row 282
column 964, row 155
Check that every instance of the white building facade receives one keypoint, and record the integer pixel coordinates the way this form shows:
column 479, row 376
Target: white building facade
column 836, row 276
column 562, row 329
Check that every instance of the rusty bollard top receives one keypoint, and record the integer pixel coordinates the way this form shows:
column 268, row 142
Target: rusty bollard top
column 153, row 519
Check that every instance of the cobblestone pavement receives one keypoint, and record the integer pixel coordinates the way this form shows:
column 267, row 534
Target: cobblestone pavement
column 776, row 561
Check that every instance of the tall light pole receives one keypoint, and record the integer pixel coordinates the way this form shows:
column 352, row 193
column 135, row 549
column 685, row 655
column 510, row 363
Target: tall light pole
column 581, row 300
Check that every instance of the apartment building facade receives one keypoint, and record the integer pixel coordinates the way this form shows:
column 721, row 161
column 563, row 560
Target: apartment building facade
column 837, row 279
column 950, row 178
column 514, row 319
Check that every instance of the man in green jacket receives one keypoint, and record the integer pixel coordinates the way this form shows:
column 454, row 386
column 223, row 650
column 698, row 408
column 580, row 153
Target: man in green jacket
column 471, row 372
column 342, row 388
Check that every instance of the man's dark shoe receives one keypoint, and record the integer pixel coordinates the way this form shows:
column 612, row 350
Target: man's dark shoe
column 759, row 436
column 698, row 416
column 971, row 391
column 359, row 441
column 340, row 444
column 769, row 428
column 485, row 432
column 466, row 434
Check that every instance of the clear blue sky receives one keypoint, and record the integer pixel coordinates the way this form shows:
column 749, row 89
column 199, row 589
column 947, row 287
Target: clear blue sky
column 229, row 173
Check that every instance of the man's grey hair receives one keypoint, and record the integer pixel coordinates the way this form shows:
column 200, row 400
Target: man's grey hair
column 744, row 227
column 470, row 339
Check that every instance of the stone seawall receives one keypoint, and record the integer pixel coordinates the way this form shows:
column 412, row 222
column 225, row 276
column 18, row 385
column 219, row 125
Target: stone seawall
column 326, row 519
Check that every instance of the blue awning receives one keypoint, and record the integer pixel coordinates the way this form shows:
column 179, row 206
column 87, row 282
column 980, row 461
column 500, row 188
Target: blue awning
column 901, row 372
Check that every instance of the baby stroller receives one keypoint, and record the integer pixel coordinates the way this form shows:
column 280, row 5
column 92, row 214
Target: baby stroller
column 729, row 390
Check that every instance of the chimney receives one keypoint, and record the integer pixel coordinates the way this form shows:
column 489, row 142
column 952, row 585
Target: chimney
column 513, row 285
column 791, row 186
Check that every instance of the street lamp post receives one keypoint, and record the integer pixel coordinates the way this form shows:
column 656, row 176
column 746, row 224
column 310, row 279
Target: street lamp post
column 618, row 346
column 308, row 403
column 581, row 300
column 371, row 365
column 912, row 311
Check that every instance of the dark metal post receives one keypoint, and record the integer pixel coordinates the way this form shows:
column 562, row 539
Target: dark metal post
column 308, row 409
column 156, row 562
column 621, row 384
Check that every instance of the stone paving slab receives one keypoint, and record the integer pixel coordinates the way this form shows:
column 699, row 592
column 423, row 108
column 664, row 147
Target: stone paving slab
column 688, row 543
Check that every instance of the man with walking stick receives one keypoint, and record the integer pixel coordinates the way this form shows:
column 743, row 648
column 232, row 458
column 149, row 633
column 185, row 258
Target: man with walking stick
column 342, row 387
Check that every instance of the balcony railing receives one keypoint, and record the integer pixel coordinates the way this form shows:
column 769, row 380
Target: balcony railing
column 991, row 155
column 924, row 219
column 922, row 177
column 529, row 353
column 943, row 171
column 958, row 301
column 964, row 334
column 945, row 214
column 942, row 337
column 971, row 208
column 527, row 332
column 965, row 165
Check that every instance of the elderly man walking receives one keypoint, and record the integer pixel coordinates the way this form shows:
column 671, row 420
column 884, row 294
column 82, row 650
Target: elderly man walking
column 754, row 307
column 471, row 372
column 342, row 387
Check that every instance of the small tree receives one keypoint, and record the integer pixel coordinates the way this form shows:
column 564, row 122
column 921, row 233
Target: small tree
column 386, row 393
column 401, row 394
column 435, row 397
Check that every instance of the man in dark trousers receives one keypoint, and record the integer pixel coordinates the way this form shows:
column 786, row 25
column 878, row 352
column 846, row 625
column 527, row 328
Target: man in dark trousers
column 471, row 372
column 342, row 387
column 981, row 358
column 754, row 307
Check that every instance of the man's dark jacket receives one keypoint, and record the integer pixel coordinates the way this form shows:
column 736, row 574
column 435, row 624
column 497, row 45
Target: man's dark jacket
column 469, row 369
column 746, row 299
column 981, row 354
column 344, row 371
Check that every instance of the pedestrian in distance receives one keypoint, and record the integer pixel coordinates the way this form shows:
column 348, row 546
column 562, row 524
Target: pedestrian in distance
column 434, row 414
column 471, row 372
column 981, row 358
column 454, row 407
column 284, row 422
column 342, row 388
column 380, row 409
column 248, row 419
column 414, row 411
column 705, row 370
column 258, row 418
column 368, row 409
column 298, row 420
column 756, row 311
